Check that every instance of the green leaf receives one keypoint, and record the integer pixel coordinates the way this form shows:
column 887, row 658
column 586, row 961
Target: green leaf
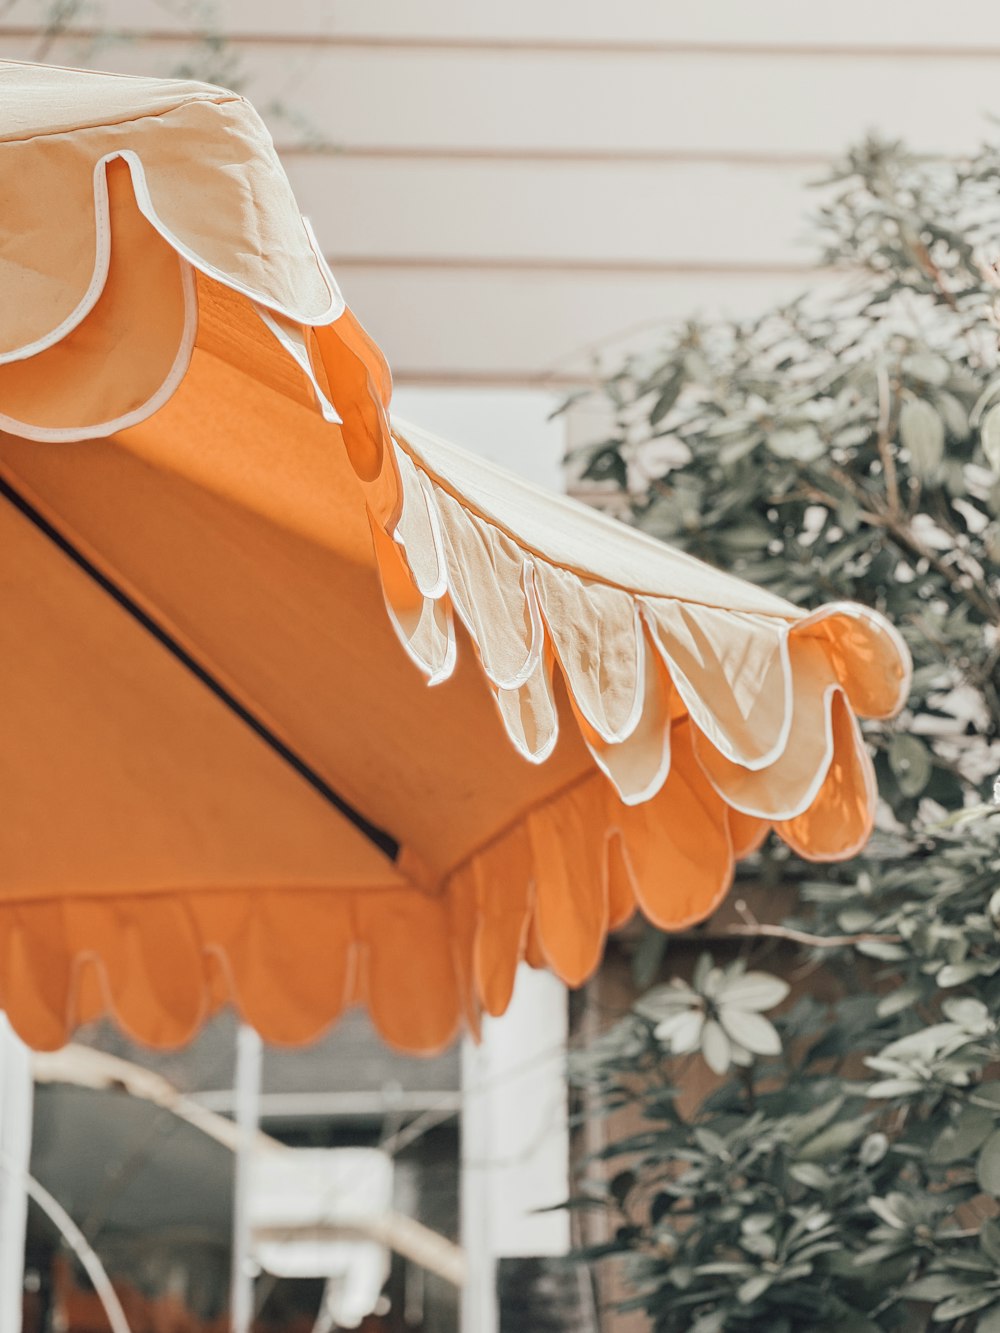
column 989, row 1239
column 990, row 1321
column 910, row 760
column 928, row 367
column 957, row 1306
column 954, row 414
column 984, row 400
column 607, row 464
column 896, row 1087
column 884, row 1210
column 667, row 397
column 921, row 431
column 801, row 444
column 964, row 1137
column 750, row 1030
column 896, row 1001
column 988, row 1165
column 957, row 974
column 988, row 1092
column 883, row 949
column 810, row 1175
column 874, row 1149
column 936, row 1287
column 834, row 1141
column 989, row 436
column 754, row 1288
column 753, row 990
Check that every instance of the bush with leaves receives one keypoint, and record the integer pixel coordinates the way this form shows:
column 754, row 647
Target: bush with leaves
column 846, row 1172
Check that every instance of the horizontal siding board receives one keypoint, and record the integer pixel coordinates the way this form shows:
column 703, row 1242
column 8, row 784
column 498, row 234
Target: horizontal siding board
column 500, row 201
column 920, row 23
column 610, row 102
column 536, row 328
column 604, row 214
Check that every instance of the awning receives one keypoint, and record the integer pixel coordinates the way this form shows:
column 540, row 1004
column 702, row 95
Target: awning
column 221, row 775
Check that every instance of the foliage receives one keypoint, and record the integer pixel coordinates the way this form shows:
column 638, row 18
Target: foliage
column 847, row 446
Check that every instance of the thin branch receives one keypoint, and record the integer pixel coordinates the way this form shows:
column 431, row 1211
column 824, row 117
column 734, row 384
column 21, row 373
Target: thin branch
column 813, row 941
column 931, row 270
column 884, row 449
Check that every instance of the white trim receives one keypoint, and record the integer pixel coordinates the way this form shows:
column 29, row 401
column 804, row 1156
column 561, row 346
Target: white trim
column 856, row 611
column 533, row 650
column 300, row 356
column 102, row 257
column 143, row 198
column 532, row 756
column 410, row 477
column 98, row 279
column 440, row 585
column 666, row 749
column 871, row 790
column 816, row 782
column 702, row 715
column 433, row 675
column 66, row 434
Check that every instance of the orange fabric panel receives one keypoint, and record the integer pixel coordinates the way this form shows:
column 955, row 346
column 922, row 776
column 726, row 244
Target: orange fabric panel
column 120, row 772
column 235, row 518
column 678, row 845
column 839, row 821
column 571, row 910
column 503, row 879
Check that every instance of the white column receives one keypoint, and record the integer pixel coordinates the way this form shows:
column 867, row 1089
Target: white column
column 249, row 1051
column 515, row 1141
column 15, row 1152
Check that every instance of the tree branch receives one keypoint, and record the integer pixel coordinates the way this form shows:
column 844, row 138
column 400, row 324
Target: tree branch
column 761, row 929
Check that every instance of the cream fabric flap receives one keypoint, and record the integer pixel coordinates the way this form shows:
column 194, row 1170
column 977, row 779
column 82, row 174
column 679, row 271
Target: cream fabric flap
column 760, row 689
column 733, row 673
column 114, row 190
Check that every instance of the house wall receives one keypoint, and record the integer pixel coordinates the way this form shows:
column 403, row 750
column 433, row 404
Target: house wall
column 504, row 188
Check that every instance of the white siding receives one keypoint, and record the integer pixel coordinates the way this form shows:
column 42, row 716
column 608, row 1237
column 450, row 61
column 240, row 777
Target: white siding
column 502, row 188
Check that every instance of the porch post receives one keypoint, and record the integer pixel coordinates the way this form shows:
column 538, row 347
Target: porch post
column 15, row 1151
column 249, row 1050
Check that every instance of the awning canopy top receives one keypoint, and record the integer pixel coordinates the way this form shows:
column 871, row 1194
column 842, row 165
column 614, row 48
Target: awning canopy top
column 222, row 776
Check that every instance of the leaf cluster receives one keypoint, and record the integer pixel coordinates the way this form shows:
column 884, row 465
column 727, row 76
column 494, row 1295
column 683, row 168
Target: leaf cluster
column 845, row 1173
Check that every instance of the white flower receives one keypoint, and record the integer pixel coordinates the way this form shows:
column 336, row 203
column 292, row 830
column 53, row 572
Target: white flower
column 720, row 1015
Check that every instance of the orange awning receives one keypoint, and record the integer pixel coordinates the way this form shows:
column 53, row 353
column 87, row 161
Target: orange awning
column 222, row 775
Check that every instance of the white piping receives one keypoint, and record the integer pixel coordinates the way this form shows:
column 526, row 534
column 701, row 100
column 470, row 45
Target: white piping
column 638, row 698
column 143, row 198
column 440, row 585
column 66, row 434
column 145, row 204
column 534, row 649
column 98, row 279
column 816, row 782
column 855, row 611
column 705, row 719
column 540, row 755
column 300, row 356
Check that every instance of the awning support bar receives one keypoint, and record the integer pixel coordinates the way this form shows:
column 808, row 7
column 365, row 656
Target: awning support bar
column 385, row 842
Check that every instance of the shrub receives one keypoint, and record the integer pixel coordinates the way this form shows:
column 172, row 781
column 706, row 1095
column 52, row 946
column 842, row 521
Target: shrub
column 846, row 1171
